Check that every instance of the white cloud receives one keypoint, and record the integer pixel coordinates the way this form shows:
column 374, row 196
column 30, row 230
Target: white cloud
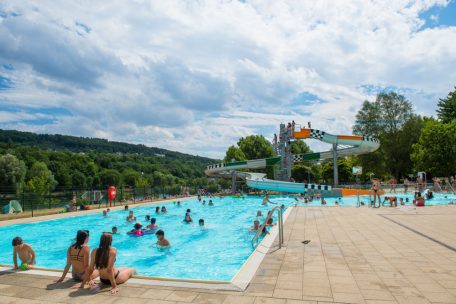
column 195, row 76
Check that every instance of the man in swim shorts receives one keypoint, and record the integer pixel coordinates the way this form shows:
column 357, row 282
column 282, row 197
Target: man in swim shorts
column 25, row 253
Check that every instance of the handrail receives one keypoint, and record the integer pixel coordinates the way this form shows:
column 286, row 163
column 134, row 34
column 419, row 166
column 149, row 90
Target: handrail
column 260, row 230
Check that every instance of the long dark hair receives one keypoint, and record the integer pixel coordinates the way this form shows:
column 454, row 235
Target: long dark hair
column 102, row 254
column 80, row 239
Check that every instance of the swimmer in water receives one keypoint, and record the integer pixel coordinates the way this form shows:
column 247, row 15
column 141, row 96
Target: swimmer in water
column 105, row 213
column 131, row 217
column 259, row 214
column 126, row 207
column 147, row 218
column 114, row 230
column 152, row 225
column 211, row 203
column 25, row 253
column 187, row 218
column 157, row 209
column 137, row 231
column 163, row 210
column 161, row 240
column 256, row 225
column 201, row 222
column 266, row 200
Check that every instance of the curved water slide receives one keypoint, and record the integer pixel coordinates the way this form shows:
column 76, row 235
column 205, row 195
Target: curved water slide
column 356, row 145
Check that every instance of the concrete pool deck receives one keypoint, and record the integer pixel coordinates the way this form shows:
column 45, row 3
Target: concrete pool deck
column 355, row 255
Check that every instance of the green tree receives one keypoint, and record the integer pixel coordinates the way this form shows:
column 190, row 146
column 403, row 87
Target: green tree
column 255, row 147
column 385, row 119
column 129, row 177
column 446, row 110
column 78, row 180
column 109, row 177
column 235, row 153
column 299, row 147
column 435, row 151
column 12, row 173
column 41, row 180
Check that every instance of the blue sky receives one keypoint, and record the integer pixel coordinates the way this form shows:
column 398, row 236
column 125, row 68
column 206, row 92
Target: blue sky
column 196, row 76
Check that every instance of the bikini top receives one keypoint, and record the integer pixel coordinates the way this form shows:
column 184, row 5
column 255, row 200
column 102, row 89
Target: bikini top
column 76, row 257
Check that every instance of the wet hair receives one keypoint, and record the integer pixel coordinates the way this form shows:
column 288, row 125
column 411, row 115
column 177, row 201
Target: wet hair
column 81, row 236
column 188, row 211
column 126, row 207
column 160, row 232
column 147, row 217
column 163, row 207
column 102, row 254
column 157, row 209
column 153, row 220
column 17, row 241
column 138, row 226
column 115, row 227
column 201, row 221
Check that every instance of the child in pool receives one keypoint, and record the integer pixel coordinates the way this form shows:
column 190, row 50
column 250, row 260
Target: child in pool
column 25, row 253
column 256, row 225
column 137, row 231
column 161, row 240
column 163, row 209
column 114, row 230
column 152, row 225
column 187, row 218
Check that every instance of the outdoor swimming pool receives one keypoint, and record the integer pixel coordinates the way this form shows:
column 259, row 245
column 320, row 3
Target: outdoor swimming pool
column 214, row 253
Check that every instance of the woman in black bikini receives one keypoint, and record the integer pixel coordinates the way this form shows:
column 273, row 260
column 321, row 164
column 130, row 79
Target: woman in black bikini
column 78, row 256
column 103, row 259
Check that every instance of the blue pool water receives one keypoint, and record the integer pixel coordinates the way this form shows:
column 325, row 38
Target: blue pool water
column 214, row 253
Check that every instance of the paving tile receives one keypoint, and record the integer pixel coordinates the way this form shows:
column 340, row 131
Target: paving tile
column 232, row 299
column 158, row 294
column 287, row 294
column 347, row 297
column 208, row 298
column 182, row 296
column 264, row 300
column 370, row 294
column 440, row 297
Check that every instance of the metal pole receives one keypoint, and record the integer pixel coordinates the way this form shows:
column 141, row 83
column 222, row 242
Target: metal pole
column 233, row 182
column 335, row 168
column 280, row 228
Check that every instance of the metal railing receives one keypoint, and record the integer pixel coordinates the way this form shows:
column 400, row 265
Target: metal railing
column 262, row 227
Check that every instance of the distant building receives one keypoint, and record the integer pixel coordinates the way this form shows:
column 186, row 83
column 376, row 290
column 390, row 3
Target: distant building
column 160, row 155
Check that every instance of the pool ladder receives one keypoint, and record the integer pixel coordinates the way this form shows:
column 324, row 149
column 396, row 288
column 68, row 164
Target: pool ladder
column 259, row 231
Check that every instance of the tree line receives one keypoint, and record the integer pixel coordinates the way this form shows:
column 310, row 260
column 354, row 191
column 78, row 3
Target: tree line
column 409, row 143
column 42, row 163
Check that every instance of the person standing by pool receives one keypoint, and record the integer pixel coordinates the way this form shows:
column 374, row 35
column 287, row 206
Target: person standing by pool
column 376, row 189
column 266, row 200
column 406, row 184
column 103, row 259
column 161, row 240
column 78, row 256
column 25, row 253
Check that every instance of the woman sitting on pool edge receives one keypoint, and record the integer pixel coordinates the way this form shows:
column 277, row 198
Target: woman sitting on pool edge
column 103, row 259
column 78, row 256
